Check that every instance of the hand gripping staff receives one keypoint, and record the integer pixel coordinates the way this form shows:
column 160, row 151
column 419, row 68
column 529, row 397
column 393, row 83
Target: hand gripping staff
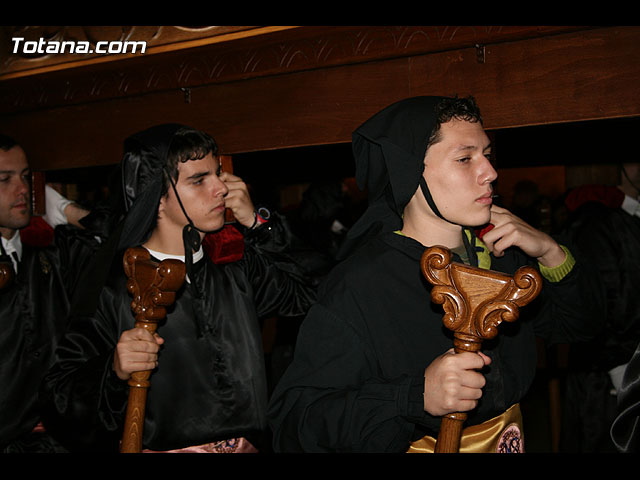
column 475, row 301
column 153, row 287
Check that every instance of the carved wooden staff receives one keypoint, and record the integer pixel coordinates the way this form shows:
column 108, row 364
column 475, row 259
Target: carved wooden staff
column 153, row 287
column 475, row 302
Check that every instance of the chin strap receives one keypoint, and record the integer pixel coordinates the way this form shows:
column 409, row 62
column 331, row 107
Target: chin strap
column 192, row 242
column 190, row 238
column 468, row 241
column 193, row 227
column 427, row 195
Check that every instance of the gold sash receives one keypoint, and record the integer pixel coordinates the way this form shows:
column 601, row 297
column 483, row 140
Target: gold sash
column 502, row 434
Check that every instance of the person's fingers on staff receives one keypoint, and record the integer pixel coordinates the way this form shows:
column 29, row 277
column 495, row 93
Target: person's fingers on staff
column 136, row 350
column 453, row 382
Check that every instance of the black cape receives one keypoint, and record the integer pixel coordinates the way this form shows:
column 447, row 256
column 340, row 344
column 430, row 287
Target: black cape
column 610, row 238
column 33, row 315
column 357, row 378
column 210, row 384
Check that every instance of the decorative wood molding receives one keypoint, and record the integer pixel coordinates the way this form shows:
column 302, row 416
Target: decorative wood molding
column 185, row 58
column 157, row 39
column 314, row 85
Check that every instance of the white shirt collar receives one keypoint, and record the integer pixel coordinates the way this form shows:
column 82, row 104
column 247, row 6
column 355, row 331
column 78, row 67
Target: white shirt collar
column 197, row 256
column 631, row 205
column 14, row 244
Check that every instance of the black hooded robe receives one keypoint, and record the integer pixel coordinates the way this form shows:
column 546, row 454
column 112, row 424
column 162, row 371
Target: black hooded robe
column 356, row 382
column 610, row 238
column 33, row 316
column 210, row 384
column 357, row 379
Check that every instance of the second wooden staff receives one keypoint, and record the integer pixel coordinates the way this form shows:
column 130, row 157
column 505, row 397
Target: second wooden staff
column 153, row 286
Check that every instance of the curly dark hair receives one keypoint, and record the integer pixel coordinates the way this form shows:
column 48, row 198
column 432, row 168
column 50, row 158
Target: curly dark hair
column 7, row 143
column 187, row 144
column 454, row 108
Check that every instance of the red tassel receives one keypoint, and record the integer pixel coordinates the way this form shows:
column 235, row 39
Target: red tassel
column 480, row 232
column 37, row 234
column 224, row 246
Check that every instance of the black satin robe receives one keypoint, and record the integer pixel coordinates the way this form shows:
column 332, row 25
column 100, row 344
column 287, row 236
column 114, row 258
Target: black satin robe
column 33, row 314
column 610, row 237
column 210, row 383
column 356, row 382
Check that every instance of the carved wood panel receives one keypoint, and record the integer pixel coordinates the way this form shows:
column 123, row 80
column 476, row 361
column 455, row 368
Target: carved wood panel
column 180, row 65
column 46, row 49
column 315, row 99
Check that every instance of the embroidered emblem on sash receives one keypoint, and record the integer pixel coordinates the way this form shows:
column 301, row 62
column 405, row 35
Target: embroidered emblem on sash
column 511, row 440
column 225, row 446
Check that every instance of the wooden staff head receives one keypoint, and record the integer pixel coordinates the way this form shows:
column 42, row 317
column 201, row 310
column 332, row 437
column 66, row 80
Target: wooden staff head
column 153, row 287
column 476, row 301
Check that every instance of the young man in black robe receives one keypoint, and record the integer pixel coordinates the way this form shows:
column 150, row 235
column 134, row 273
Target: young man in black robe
column 373, row 369
column 34, row 298
column 208, row 387
column 604, row 223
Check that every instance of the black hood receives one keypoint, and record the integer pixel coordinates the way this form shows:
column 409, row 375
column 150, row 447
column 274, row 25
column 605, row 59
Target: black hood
column 389, row 151
column 144, row 158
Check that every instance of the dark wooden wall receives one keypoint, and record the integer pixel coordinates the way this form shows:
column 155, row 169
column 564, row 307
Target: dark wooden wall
column 315, row 85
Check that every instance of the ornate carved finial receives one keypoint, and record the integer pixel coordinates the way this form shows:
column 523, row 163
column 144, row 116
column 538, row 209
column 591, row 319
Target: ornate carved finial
column 475, row 303
column 153, row 287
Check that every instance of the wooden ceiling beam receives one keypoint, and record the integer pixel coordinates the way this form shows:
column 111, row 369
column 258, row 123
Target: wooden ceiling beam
column 551, row 77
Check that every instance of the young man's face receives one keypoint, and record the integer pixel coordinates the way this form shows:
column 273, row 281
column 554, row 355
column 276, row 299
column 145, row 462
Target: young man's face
column 202, row 194
column 15, row 192
column 459, row 173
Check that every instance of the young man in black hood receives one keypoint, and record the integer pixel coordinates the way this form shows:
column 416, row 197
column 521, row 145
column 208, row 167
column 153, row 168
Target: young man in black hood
column 208, row 387
column 373, row 369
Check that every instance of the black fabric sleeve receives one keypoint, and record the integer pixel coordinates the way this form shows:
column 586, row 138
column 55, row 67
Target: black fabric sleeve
column 281, row 284
column 83, row 401
column 332, row 400
column 572, row 309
